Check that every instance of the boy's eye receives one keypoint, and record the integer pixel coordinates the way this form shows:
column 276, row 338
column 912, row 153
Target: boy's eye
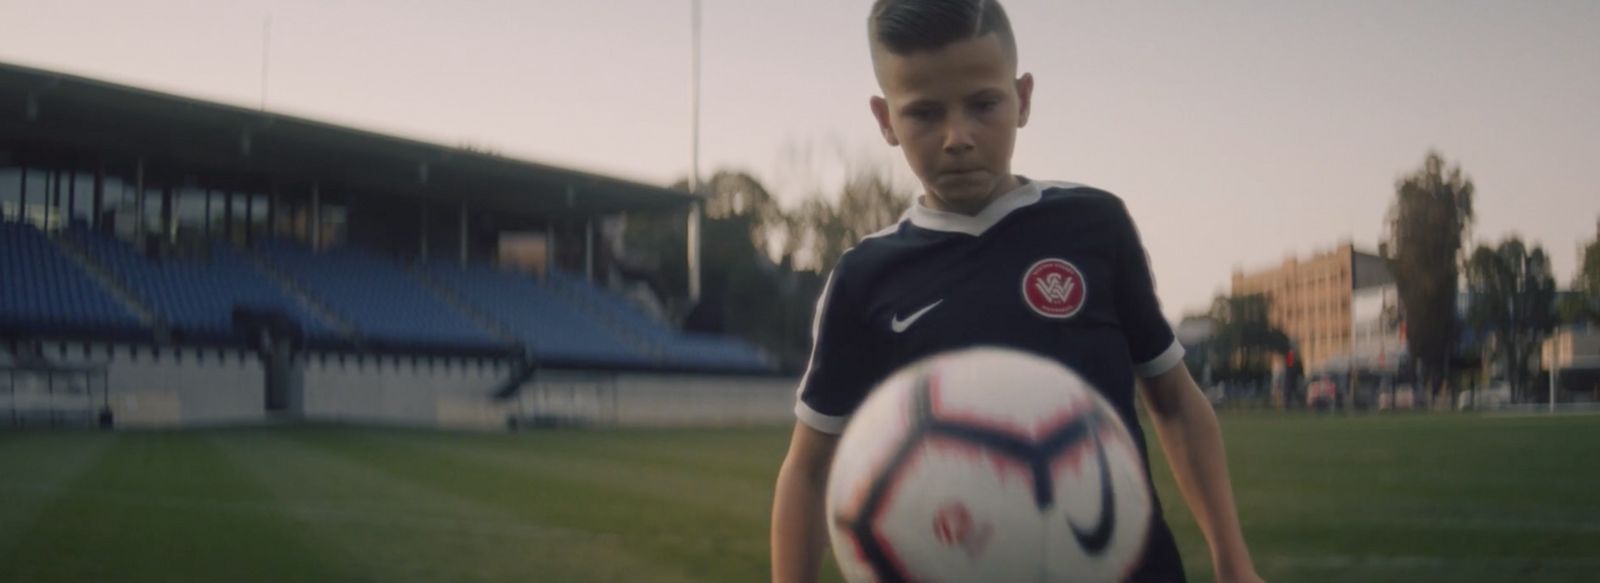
column 923, row 113
column 986, row 105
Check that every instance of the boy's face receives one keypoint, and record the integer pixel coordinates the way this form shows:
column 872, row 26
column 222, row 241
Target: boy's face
column 955, row 111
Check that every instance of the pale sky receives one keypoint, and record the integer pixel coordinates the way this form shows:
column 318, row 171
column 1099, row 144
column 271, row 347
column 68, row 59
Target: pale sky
column 1238, row 132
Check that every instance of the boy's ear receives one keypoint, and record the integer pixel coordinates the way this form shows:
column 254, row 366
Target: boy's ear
column 1024, row 98
column 880, row 110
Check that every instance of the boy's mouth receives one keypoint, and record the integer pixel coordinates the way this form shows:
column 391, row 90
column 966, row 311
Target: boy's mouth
column 962, row 172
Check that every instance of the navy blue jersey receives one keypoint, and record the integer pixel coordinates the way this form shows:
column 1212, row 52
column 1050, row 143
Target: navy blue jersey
column 1050, row 268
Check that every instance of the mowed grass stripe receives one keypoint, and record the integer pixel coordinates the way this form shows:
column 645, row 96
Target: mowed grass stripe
column 751, row 455
column 37, row 467
column 1378, row 498
column 1420, row 569
column 720, row 511
column 580, row 513
column 397, row 529
column 164, row 507
column 619, row 464
column 713, row 526
column 1373, row 499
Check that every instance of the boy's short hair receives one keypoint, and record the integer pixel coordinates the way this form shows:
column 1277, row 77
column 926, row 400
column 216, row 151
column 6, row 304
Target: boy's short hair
column 906, row 26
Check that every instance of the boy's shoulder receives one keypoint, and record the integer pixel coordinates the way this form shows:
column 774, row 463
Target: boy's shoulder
column 1079, row 198
column 1067, row 204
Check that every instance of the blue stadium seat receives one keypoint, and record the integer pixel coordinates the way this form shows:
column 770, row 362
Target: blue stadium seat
column 547, row 326
column 43, row 291
column 562, row 320
column 385, row 303
column 608, row 328
column 197, row 297
column 679, row 348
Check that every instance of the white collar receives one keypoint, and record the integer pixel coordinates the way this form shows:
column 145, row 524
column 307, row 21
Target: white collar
column 936, row 220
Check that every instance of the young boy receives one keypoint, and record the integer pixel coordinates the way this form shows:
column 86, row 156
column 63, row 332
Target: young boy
column 962, row 269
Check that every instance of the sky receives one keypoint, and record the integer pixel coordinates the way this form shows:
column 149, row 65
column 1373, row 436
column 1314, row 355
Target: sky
column 1239, row 133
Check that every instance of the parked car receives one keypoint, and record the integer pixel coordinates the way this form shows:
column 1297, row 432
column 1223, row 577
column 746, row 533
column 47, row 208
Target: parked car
column 1322, row 394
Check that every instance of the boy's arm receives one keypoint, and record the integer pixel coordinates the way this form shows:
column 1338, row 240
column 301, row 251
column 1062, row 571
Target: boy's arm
column 1192, row 440
column 846, row 361
column 799, row 529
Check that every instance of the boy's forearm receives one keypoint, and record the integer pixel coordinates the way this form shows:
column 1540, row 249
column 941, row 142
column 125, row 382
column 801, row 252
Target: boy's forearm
column 798, row 529
column 1192, row 439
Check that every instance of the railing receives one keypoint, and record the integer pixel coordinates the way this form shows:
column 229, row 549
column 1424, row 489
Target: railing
column 54, row 397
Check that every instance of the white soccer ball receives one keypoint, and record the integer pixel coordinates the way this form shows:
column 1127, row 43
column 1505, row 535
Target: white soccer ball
column 987, row 465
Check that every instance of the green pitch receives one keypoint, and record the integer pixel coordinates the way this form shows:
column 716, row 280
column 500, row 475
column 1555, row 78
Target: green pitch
column 1407, row 498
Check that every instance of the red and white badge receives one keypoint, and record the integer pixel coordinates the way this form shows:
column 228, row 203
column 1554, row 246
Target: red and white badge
column 1054, row 288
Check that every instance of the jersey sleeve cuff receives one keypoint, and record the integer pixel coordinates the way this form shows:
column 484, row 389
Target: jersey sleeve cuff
column 1163, row 362
column 830, row 424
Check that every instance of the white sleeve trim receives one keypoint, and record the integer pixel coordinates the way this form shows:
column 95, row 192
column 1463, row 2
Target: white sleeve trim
column 816, row 327
column 1163, row 362
column 830, row 424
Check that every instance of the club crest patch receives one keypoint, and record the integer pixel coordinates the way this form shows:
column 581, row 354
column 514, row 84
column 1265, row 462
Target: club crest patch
column 1054, row 288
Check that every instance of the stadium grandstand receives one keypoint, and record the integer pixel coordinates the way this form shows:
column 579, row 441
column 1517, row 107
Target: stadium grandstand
column 166, row 261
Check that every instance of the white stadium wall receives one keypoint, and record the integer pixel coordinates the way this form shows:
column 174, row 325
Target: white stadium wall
column 704, row 400
column 443, row 392
column 198, row 387
column 172, row 386
column 658, row 400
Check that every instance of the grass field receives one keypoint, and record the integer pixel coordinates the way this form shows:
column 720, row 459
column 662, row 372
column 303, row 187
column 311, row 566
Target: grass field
column 1368, row 499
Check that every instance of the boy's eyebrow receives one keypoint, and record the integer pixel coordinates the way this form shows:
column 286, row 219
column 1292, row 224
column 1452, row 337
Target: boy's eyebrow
column 918, row 103
column 987, row 92
column 922, row 102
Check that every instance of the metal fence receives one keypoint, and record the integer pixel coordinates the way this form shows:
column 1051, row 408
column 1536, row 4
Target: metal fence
column 54, row 397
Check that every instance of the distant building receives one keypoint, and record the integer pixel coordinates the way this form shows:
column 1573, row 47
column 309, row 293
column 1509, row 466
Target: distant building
column 1377, row 334
column 1570, row 345
column 1573, row 353
column 1312, row 298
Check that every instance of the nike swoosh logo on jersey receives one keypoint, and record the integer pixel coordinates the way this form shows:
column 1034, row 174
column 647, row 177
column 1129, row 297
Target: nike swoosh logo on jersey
column 899, row 325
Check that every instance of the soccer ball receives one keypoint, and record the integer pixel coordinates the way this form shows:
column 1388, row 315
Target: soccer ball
column 987, row 465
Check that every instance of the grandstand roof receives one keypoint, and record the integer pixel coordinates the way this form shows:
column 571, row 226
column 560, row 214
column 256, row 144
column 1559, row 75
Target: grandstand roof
column 51, row 114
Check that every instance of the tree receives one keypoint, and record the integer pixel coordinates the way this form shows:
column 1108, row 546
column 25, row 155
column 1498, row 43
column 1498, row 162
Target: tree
column 743, row 292
column 869, row 202
column 1430, row 215
column 752, row 285
column 1583, row 304
column 1244, row 332
column 1513, row 295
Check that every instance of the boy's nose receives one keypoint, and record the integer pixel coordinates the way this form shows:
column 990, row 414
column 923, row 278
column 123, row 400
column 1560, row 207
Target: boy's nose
column 957, row 138
column 958, row 135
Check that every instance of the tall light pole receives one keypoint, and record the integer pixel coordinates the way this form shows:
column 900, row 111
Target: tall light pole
column 266, row 48
column 695, row 207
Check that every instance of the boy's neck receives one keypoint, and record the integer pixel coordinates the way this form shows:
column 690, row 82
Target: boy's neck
column 1012, row 182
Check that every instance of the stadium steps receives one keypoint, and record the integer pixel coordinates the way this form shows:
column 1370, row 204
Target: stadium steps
column 525, row 371
column 111, row 284
column 478, row 316
column 577, row 299
column 299, row 293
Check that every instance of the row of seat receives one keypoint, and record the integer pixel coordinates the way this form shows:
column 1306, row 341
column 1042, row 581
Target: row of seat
column 196, row 296
column 377, row 297
column 672, row 345
column 42, row 290
column 563, row 319
column 545, row 324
